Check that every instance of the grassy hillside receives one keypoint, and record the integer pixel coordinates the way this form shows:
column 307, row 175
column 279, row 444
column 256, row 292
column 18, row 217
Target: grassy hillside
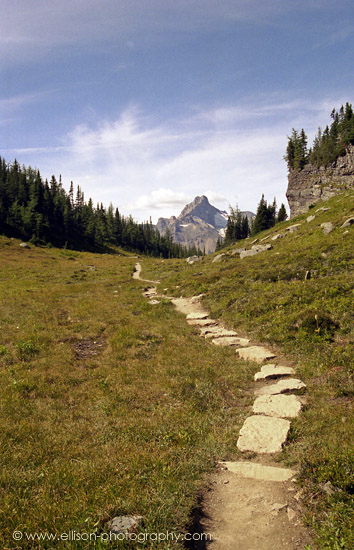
column 109, row 406
column 311, row 322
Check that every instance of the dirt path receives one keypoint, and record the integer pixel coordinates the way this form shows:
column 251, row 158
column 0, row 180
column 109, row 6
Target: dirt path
column 251, row 505
column 137, row 275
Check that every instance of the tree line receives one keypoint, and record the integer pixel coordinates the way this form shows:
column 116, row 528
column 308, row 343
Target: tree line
column 327, row 146
column 44, row 213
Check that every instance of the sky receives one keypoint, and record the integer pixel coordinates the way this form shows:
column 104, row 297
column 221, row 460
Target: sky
column 149, row 103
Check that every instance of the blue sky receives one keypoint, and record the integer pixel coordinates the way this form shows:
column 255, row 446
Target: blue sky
column 148, row 103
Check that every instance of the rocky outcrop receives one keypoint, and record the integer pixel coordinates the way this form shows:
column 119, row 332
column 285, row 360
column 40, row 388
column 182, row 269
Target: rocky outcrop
column 312, row 185
column 199, row 224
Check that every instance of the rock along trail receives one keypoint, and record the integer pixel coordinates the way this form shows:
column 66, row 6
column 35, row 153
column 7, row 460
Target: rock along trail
column 251, row 505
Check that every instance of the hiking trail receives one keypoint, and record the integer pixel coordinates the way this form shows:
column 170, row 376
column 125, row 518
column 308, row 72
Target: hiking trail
column 251, row 504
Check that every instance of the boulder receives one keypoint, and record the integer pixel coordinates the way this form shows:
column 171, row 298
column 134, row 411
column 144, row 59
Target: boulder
column 192, row 259
column 327, row 227
column 124, row 524
column 24, row 245
column 218, row 257
column 310, row 219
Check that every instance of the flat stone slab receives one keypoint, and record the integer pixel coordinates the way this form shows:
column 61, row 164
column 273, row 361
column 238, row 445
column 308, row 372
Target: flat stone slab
column 202, row 322
column 283, row 386
column 153, row 302
column 231, row 341
column 197, row 315
column 124, row 524
column 258, row 354
column 216, row 332
column 279, row 406
column 258, row 471
column 263, row 434
column 272, row 371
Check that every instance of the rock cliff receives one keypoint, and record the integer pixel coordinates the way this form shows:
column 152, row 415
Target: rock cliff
column 311, row 184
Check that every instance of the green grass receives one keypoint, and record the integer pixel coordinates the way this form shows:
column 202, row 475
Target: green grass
column 312, row 323
column 109, row 406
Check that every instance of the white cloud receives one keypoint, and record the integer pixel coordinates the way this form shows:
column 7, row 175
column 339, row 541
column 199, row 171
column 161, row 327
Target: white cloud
column 161, row 199
column 148, row 168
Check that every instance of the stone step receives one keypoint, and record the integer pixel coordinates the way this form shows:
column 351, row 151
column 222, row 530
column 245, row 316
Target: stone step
column 273, row 371
column 253, row 470
column 279, row 406
column 283, row 386
column 231, row 341
column 258, row 354
column 197, row 315
column 216, row 332
column 263, row 434
column 202, row 322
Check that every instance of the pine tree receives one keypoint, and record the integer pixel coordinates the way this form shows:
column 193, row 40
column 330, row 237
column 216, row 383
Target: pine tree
column 282, row 214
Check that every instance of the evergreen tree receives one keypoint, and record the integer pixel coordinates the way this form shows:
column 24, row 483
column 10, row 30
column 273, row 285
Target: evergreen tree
column 282, row 214
column 327, row 145
column 45, row 213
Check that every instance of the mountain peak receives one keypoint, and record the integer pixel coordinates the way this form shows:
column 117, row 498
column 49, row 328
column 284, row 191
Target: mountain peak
column 199, row 224
column 200, row 207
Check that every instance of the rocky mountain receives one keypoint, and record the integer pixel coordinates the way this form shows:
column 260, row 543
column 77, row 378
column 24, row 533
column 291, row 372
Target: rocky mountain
column 199, row 224
column 312, row 184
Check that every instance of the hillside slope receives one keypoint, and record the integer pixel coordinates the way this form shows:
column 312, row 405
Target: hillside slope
column 298, row 296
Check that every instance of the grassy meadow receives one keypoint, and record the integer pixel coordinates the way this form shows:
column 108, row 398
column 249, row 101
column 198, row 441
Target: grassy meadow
column 311, row 322
column 109, row 406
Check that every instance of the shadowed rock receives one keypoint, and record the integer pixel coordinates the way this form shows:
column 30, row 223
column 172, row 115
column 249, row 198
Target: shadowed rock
column 283, row 386
column 272, row 371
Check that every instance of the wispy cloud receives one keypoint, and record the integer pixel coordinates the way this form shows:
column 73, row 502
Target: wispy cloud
column 230, row 162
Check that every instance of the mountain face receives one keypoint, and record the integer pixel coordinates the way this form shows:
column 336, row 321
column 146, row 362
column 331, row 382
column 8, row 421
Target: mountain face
column 199, row 224
column 312, row 184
